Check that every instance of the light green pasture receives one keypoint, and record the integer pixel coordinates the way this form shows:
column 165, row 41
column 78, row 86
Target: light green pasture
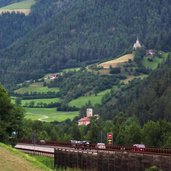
column 36, row 101
column 70, row 69
column 36, row 87
column 13, row 99
column 154, row 64
column 156, row 61
column 25, row 4
column 94, row 99
column 49, row 114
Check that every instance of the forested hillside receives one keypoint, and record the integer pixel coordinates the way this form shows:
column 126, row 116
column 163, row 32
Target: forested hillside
column 11, row 117
column 84, row 32
column 15, row 26
column 148, row 100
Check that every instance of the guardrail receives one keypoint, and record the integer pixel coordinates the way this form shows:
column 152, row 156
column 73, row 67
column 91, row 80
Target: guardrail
column 37, row 152
column 160, row 151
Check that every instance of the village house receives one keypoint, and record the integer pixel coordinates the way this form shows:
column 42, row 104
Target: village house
column 150, row 52
column 53, row 76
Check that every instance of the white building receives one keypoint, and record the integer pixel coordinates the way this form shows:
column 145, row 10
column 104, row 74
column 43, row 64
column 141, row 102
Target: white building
column 86, row 120
column 89, row 112
column 137, row 44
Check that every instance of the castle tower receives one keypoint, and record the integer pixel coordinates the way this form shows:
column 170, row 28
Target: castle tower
column 137, row 44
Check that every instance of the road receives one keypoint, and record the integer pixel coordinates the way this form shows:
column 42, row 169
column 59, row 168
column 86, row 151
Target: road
column 45, row 149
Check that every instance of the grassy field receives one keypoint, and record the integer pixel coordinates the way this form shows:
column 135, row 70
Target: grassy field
column 36, row 101
column 116, row 62
column 70, row 69
column 81, row 101
column 36, row 87
column 60, row 73
column 21, row 7
column 25, row 4
column 131, row 77
column 14, row 160
column 48, row 161
column 48, row 114
column 156, row 61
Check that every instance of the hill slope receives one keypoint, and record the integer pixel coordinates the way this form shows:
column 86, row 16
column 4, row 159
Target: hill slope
column 86, row 31
column 12, row 160
column 149, row 100
column 117, row 61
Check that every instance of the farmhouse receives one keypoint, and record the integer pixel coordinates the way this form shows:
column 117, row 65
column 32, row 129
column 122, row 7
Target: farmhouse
column 150, row 52
column 53, row 76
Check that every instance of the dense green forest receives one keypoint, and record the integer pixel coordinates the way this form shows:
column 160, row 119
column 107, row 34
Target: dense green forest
column 15, row 26
column 79, row 32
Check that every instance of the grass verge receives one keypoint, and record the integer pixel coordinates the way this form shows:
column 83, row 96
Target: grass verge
column 14, row 160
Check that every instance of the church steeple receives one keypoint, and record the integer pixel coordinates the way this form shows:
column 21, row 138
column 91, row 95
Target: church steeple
column 137, row 44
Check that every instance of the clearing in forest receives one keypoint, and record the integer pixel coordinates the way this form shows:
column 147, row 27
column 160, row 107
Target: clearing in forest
column 116, row 62
column 19, row 7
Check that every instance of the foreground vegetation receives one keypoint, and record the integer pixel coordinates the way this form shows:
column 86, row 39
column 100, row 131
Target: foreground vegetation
column 13, row 160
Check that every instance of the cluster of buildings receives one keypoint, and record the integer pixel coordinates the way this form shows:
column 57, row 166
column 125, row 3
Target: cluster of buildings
column 86, row 120
column 137, row 45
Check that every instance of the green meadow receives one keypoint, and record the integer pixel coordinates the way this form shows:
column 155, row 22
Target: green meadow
column 25, row 4
column 48, row 114
column 62, row 71
column 36, row 87
column 70, row 69
column 94, row 99
column 155, row 61
column 13, row 99
column 36, row 101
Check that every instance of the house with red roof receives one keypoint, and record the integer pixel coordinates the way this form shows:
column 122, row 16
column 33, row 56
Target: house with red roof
column 53, row 76
column 86, row 120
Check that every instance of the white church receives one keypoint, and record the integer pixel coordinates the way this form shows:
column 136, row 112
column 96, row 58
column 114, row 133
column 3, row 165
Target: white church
column 137, row 44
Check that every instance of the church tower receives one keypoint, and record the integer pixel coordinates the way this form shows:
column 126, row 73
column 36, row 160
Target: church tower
column 137, row 44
